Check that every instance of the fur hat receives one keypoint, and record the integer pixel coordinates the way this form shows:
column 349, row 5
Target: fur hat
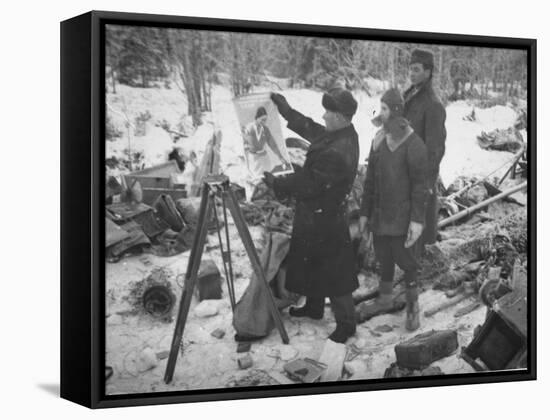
column 340, row 100
column 260, row 112
column 424, row 57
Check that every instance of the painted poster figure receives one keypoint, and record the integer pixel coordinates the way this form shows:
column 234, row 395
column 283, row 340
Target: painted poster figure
column 256, row 136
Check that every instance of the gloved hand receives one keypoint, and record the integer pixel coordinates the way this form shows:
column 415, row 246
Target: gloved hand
column 269, row 179
column 281, row 103
column 415, row 230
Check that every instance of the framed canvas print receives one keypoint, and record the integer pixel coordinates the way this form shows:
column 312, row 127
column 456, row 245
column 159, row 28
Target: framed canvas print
column 254, row 209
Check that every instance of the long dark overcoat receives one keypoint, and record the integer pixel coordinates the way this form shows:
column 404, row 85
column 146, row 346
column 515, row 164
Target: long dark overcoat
column 321, row 259
column 427, row 115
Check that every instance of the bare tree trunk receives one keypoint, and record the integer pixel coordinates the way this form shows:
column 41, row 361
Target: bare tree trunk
column 391, row 56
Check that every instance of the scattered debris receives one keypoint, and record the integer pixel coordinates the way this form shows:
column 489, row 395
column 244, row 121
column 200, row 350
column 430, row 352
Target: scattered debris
column 509, row 140
column 218, row 333
column 385, row 328
column 452, row 280
column 501, row 343
column 467, row 309
column 154, row 295
column 135, row 243
column 157, row 180
column 366, row 310
column 471, row 116
column 305, row 370
column 165, row 207
column 484, row 203
column 424, row 349
column 161, row 355
column 253, row 377
column 209, row 281
column 207, row 308
column 147, row 360
column 281, row 378
column 434, row 262
column 245, row 361
column 333, row 356
column 448, row 303
column 395, row 371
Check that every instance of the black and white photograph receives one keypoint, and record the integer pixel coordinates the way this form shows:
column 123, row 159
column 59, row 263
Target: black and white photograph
column 264, row 146
column 293, row 209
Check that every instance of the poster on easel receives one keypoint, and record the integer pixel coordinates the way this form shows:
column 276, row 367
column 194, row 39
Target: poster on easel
column 260, row 126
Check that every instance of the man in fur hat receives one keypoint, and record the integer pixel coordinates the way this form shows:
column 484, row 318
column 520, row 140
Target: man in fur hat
column 426, row 114
column 394, row 203
column 320, row 261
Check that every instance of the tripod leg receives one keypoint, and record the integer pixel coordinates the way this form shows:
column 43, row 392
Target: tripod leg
column 255, row 260
column 190, row 281
column 225, row 257
column 229, row 263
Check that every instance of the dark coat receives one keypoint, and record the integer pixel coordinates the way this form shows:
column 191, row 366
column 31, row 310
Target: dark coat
column 321, row 260
column 427, row 116
column 395, row 187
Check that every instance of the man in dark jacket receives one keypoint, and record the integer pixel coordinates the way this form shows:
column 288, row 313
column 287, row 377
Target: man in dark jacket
column 394, row 203
column 426, row 115
column 320, row 261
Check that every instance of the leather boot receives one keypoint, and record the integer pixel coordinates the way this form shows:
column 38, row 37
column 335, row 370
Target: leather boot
column 314, row 309
column 412, row 322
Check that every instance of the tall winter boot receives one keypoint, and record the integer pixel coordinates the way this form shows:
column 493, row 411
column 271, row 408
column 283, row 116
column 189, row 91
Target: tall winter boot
column 412, row 322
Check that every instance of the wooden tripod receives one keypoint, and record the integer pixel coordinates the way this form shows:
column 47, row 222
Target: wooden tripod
column 211, row 186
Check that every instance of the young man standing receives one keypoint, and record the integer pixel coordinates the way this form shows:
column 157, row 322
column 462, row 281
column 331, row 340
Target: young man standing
column 426, row 114
column 394, row 204
column 320, row 261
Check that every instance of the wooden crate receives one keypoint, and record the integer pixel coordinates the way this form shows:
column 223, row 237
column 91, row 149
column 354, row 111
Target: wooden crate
column 158, row 180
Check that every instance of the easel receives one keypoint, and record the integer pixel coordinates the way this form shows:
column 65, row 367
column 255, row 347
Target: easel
column 217, row 185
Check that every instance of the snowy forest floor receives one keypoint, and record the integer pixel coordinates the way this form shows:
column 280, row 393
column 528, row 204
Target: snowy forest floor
column 134, row 342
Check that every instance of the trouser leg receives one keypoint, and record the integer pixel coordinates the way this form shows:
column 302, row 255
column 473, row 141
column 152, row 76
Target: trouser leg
column 384, row 254
column 315, row 304
column 429, row 235
column 344, row 313
column 405, row 259
column 344, row 310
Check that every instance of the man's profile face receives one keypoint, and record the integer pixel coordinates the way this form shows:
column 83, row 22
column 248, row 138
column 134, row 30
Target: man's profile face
column 333, row 120
column 418, row 74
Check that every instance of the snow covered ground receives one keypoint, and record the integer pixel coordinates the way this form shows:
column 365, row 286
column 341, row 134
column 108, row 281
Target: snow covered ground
column 134, row 342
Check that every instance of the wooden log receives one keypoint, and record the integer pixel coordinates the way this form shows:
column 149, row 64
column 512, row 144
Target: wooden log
column 333, row 356
column 478, row 206
column 447, row 304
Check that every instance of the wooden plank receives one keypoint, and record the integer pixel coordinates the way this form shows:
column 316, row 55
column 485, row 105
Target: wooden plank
column 333, row 355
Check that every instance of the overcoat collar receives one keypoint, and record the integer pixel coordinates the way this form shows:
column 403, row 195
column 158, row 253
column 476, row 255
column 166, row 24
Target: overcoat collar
column 329, row 136
column 415, row 90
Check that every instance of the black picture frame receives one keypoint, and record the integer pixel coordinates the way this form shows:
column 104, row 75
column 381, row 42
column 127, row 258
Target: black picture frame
column 82, row 207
